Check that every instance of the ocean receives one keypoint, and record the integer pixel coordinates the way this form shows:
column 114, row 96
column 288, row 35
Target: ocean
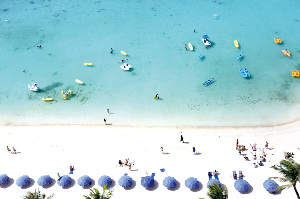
column 154, row 34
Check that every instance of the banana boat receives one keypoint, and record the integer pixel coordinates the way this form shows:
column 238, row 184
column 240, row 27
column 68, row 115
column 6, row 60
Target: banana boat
column 47, row 99
column 123, row 53
column 236, row 43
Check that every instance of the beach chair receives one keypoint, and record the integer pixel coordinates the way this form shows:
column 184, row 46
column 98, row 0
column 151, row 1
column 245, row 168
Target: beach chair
column 71, row 172
column 153, row 174
column 240, row 172
column 209, row 175
column 216, row 177
column 234, row 172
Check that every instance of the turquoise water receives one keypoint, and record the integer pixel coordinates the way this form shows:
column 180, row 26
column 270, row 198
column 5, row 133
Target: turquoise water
column 153, row 33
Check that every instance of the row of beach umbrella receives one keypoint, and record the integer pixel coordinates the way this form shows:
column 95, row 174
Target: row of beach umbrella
column 125, row 181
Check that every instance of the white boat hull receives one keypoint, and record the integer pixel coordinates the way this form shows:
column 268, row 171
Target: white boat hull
column 33, row 87
column 125, row 66
column 206, row 42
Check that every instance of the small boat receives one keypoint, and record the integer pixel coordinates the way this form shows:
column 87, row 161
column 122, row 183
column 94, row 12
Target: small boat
column 123, row 53
column 79, row 81
column 47, row 99
column 191, row 47
column 208, row 81
column 201, row 55
column 205, row 40
column 125, row 66
column 244, row 73
column 33, row 87
column 88, row 64
column 286, row 52
column 277, row 40
column 236, row 43
column 239, row 56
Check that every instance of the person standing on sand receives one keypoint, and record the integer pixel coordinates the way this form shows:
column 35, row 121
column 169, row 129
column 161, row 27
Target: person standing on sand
column 162, row 150
column 267, row 145
column 107, row 111
column 237, row 144
column 104, row 120
column 181, row 138
column 194, row 150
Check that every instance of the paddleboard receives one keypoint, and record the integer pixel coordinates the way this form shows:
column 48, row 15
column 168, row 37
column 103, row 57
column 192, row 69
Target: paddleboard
column 191, row 46
column 208, row 81
column 47, row 99
column 236, row 43
column 89, row 64
column 123, row 53
column 239, row 56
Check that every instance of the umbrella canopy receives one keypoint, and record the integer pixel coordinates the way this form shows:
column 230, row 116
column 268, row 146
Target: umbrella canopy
column 205, row 37
column 211, row 181
column 125, row 180
column 270, row 185
column 3, row 179
column 23, row 180
column 169, row 182
column 241, row 185
column 104, row 180
column 147, row 181
column 84, row 181
column 192, row 183
column 64, row 181
column 44, row 180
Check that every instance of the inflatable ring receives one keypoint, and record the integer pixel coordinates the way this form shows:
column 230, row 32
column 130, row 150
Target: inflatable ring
column 70, row 92
column 64, row 96
column 62, row 92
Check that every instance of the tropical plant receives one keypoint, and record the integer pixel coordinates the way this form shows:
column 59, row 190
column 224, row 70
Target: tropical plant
column 95, row 194
column 217, row 192
column 290, row 171
column 36, row 195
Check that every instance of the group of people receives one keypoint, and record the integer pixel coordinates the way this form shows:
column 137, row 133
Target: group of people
column 14, row 150
column 262, row 157
column 126, row 163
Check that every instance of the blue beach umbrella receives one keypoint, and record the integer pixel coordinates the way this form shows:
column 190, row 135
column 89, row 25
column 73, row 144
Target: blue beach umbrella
column 211, row 181
column 44, row 180
column 104, row 180
column 125, row 180
column 270, row 185
column 147, row 181
column 23, row 180
column 169, row 182
column 205, row 37
column 84, row 181
column 241, row 185
column 64, row 181
column 3, row 179
column 192, row 183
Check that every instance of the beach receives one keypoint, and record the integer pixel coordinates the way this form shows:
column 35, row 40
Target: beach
column 95, row 151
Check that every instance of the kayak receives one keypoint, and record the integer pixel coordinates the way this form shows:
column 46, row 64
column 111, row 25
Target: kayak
column 201, row 55
column 244, row 73
column 239, row 56
column 286, row 52
column 208, row 81
column 47, row 99
column 236, row 43
column 191, row 46
column 123, row 53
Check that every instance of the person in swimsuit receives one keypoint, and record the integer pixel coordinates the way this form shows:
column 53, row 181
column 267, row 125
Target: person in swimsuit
column 194, row 150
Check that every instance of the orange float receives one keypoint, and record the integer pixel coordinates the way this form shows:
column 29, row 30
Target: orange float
column 295, row 73
column 277, row 40
column 286, row 52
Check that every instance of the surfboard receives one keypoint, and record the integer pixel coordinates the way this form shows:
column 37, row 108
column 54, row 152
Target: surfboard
column 191, row 46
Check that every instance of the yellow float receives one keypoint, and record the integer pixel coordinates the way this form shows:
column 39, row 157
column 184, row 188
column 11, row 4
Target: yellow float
column 286, row 52
column 70, row 92
column 64, row 96
column 236, row 43
column 277, row 40
column 191, row 47
column 47, row 99
column 79, row 81
column 88, row 64
column 123, row 53
column 295, row 73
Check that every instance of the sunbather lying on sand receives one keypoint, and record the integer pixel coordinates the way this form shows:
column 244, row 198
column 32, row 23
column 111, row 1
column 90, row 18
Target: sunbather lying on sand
column 289, row 155
column 246, row 158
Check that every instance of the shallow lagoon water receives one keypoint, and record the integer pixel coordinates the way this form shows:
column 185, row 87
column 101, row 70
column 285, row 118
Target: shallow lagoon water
column 153, row 34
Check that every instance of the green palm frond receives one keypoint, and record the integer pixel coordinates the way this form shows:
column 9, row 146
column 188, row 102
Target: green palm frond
column 36, row 195
column 217, row 192
column 95, row 194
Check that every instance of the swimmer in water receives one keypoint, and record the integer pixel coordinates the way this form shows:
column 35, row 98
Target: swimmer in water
column 40, row 46
column 111, row 50
column 194, row 30
column 216, row 16
column 24, row 70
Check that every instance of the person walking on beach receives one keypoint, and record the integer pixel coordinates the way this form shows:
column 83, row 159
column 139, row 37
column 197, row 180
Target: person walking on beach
column 15, row 151
column 107, row 111
column 104, row 121
column 237, row 144
column 162, row 150
column 267, row 145
column 71, row 169
column 194, row 150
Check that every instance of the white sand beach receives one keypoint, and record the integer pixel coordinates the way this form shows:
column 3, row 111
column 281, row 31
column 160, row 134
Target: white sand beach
column 95, row 151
